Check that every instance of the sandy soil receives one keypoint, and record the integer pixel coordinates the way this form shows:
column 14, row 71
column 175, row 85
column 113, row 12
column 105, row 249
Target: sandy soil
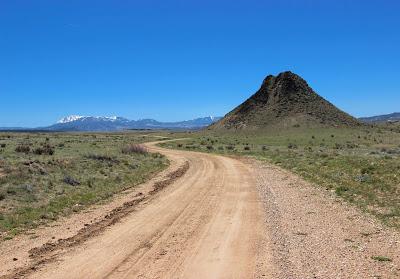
column 314, row 234
column 209, row 223
column 210, row 216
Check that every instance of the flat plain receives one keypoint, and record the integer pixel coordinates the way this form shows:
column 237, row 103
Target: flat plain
column 360, row 165
column 45, row 175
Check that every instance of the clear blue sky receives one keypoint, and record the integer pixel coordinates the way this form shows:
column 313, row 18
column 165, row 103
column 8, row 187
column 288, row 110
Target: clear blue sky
column 174, row 60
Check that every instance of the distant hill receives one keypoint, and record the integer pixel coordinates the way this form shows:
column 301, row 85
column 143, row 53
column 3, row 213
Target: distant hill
column 284, row 101
column 102, row 123
column 393, row 117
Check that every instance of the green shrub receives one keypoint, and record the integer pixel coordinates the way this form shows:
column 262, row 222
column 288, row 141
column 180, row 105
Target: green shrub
column 341, row 190
column 292, row 146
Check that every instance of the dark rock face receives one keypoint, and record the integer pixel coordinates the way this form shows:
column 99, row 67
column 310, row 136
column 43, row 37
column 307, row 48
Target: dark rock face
column 285, row 100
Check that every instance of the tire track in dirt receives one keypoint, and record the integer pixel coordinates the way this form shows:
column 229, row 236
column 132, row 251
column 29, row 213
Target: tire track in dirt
column 208, row 223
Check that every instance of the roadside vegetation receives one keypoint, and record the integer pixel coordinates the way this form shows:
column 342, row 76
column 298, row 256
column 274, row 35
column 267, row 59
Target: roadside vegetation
column 43, row 176
column 360, row 165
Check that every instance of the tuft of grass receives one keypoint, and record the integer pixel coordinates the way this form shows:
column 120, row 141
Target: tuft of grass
column 134, row 149
column 381, row 259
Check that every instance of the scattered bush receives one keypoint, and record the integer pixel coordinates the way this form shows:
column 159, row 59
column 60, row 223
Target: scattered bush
column 104, row 158
column 11, row 190
column 2, row 145
column 292, row 146
column 381, row 259
column 23, row 149
column 363, row 178
column 338, row 146
column 341, row 190
column 134, row 149
column 247, row 148
column 393, row 151
column 210, row 147
column 27, row 188
column 230, row 147
column 351, row 145
column 264, row 147
column 45, row 149
column 368, row 170
column 71, row 181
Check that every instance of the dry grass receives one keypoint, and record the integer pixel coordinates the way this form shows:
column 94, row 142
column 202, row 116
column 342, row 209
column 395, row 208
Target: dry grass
column 43, row 176
column 134, row 149
column 362, row 166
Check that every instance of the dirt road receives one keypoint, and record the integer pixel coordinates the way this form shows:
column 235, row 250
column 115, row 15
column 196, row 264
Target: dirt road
column 218, row 217
column 208, row 224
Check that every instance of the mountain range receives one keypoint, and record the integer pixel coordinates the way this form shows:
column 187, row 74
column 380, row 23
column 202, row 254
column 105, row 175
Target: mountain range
column 115, row 123
column 393, row 117
column 283, row 101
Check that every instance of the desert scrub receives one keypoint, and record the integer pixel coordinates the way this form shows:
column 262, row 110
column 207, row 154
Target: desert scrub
column 43, row 176
column 134, row 149
column 362, row 166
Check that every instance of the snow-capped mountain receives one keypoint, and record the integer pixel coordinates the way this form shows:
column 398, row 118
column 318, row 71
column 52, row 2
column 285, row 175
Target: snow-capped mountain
column 393, row 117
column 114, row 123
column 72, row 118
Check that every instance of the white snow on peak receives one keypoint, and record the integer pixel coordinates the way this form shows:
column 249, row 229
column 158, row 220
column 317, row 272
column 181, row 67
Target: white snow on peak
column 73, row 118
column 113, row 118
column 70, row 118
column 106, row 118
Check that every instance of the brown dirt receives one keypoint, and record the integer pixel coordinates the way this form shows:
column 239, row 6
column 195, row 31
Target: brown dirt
column 93, row 229
column 317, row 235
column 219, row 217
column 207, row 223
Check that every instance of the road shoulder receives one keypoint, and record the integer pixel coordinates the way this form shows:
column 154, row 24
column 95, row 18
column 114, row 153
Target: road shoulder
column 314, row 234
column 34, row 247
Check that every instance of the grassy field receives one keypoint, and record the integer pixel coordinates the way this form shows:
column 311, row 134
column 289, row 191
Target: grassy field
column 360, row 165
column 43, row 176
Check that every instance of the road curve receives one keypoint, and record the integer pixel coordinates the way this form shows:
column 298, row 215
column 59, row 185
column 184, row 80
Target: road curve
column 207, row 224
